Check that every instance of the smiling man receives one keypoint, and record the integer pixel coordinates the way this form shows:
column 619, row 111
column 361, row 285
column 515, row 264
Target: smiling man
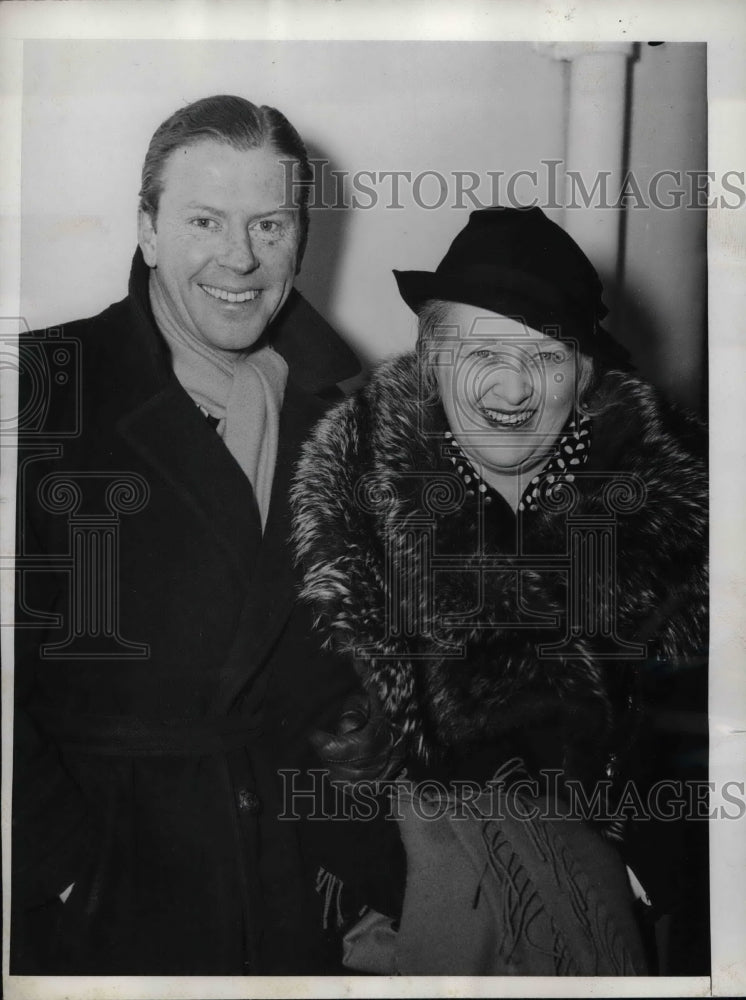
column 164, row 671
column 223, row 249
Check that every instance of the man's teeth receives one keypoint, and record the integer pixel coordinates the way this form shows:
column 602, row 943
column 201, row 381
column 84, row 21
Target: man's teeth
column 508, row 419
column 221, row 293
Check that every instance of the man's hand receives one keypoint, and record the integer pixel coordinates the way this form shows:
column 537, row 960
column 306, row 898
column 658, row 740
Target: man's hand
column 365, row 746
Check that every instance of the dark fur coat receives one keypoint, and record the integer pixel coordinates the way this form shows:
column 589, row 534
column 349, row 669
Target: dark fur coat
column 426, row 588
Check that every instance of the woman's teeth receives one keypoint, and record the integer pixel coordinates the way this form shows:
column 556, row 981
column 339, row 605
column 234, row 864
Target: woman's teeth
column 508, row 419
column 221, row 293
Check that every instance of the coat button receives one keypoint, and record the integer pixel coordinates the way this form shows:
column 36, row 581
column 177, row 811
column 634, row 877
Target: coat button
column 248, row 802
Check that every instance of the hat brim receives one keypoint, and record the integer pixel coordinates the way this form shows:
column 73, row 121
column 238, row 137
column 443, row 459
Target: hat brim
column 512, row 296
column 418, row 287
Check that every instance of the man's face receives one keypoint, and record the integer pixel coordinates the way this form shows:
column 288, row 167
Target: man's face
column 224, row 250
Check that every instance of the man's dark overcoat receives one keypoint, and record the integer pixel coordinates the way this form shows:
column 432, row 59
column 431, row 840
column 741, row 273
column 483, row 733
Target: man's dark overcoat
column 164, row 671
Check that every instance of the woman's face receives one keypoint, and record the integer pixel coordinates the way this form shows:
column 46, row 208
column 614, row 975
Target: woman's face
column 507, row 390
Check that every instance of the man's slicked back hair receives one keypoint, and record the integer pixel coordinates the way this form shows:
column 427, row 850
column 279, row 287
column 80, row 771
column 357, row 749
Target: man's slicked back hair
column 237, row 123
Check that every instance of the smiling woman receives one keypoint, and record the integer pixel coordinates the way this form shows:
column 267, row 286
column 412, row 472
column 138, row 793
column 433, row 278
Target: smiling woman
column 513, row 382
column 506, row 529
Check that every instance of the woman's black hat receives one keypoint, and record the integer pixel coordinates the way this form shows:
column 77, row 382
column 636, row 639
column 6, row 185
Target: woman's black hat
column 518, row 263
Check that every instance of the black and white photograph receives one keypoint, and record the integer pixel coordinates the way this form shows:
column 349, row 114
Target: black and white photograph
column 372, row 548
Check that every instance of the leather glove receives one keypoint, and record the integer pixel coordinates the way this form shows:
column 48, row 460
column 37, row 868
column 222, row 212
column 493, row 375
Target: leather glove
column 364, row 747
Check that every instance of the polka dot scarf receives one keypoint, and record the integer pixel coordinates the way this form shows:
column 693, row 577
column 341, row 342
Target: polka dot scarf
column 570, row 454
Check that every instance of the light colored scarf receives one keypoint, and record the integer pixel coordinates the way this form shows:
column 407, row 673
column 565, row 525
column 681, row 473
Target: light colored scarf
column 243, row 389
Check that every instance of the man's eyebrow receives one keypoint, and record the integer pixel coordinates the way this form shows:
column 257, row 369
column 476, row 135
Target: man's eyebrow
column 280, row 210
column 194, row 206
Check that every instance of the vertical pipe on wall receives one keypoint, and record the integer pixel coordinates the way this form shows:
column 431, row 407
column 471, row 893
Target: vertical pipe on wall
column 639, row 139
column 594, row 161
column 665, row 267
column 595, row 153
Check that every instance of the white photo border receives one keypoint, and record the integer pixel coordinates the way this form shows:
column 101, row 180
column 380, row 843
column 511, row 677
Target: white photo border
column 720, row 23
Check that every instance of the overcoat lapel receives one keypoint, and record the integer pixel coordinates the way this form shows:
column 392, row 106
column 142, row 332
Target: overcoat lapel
column 275, row 582
column 170, row 434
column 164, row 426
column 173, row 437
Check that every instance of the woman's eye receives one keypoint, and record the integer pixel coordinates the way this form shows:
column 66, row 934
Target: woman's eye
column 556, row 356
column 483, row 352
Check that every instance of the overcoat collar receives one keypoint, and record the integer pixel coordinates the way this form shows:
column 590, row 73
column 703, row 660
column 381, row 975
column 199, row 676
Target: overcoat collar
column 317, row 357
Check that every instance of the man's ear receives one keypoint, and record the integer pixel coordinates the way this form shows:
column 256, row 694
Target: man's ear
column 147, row 237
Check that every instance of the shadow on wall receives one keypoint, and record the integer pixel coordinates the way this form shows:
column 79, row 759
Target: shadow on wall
column 653, row 348
column 661, row 311
column 327, row 241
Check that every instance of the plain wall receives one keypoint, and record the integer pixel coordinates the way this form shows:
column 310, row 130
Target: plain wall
column 90, row 109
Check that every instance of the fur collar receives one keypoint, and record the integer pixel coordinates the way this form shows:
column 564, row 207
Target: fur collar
column 452, row 653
